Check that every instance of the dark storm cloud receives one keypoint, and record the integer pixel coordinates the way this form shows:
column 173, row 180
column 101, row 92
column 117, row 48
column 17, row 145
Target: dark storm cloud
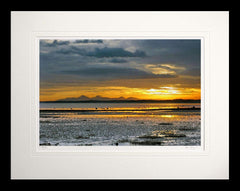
column 186, row 52
column 56, row 60
column 102, row 52
column 72, row 50
column 174, row 45
column 118, row 60
column 192, row 72
column 115, row 52
column 88, row 41
column 114, row 73
column 79, row 59
column 56, row 43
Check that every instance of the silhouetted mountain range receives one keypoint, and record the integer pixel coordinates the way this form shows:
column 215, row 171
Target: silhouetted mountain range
column 98, row 98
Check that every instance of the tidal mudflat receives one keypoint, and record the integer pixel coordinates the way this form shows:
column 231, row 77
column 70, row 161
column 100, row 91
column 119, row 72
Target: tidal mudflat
column 121, row 126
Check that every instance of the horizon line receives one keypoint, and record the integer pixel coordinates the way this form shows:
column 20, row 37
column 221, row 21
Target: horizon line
column 117, row 100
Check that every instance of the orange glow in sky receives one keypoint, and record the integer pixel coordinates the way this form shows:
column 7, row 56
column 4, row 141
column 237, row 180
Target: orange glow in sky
column 149, row 69
column 164, row 93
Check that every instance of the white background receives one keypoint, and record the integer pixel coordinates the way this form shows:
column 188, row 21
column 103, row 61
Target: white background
column 28, row 162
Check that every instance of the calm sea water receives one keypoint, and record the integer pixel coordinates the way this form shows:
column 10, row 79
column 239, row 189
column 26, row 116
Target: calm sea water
column 119, row 124
column 116, row 105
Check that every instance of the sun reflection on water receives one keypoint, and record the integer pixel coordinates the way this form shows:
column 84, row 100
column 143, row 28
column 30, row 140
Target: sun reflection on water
column 168, row 116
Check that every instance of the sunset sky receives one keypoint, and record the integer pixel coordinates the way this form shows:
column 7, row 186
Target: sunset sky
column 144, row 69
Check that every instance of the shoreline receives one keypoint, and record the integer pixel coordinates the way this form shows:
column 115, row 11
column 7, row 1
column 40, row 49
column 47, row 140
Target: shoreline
column 126, row 101
column 116, row 110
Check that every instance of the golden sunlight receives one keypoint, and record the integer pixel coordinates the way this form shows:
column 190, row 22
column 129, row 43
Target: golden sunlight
column 164, row 93
column 163, row 90
column 158, row 70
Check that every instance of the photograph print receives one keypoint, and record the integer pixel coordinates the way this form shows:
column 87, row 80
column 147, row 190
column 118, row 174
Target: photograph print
column 120, row 92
